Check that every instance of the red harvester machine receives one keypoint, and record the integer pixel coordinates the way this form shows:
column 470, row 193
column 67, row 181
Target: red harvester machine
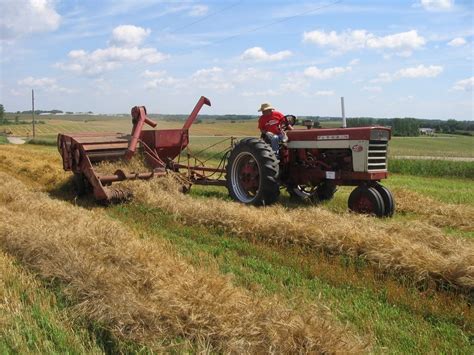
column 312, row 163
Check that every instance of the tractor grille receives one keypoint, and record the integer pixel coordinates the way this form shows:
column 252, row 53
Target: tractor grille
column 377, row 155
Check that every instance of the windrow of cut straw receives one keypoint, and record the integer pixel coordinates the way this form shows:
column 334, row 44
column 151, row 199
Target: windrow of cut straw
column 436, row 213
column 29, row 311
column 142, row 292
column 413, row 248
column 45, row 168
column 33, row 165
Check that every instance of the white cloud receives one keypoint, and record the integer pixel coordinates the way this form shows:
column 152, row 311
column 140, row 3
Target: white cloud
column 23, row 17
column 129, row 35
column 259, row 54
column 208, row 78
column 383, row 78
column 354, row 61
column 324, row 93
column 248, row 74
column 113, row 56
column 316, row 73
column 37, row 82
column 198, row 10
column 211, row 78
column 362, row 39
column 457, row 42
column 437, row 5
column 47, row 84
column 372, row 88
column 464, row 85
column 265, row 93
column 420, row 71
column 160, row 78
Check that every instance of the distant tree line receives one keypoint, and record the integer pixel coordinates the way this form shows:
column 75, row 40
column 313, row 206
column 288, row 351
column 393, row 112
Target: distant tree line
column 409, row 127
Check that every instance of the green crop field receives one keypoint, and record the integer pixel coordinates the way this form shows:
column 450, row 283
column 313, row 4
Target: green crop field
column 437, row 146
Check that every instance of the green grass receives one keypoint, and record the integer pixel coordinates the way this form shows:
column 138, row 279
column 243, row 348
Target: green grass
column 432, row 168
column 3, row 140
column 441, row 145
column 34, row 321
column 46, row 140
column 401, row 318
column 449, row 190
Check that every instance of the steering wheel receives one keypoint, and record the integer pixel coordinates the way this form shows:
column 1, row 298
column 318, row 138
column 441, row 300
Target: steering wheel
column 288, row 120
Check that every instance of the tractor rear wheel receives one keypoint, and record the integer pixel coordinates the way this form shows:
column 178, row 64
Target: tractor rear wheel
column 252, row 173
column 364, row 199
column 387, row 198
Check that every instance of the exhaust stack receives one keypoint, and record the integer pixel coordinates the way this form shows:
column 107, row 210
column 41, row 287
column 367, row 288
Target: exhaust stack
column 344, row 124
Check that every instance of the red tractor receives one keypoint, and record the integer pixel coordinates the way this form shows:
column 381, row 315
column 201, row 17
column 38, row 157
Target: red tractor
column 312, row 163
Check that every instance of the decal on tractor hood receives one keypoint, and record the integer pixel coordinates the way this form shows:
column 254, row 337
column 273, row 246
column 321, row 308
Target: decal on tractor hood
column 334, row 136
column 357, row 148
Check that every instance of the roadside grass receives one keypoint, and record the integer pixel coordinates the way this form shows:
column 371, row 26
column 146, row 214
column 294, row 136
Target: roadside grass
column 432, row 168
column 32, row 320
column 401, row 317
column 3, row 140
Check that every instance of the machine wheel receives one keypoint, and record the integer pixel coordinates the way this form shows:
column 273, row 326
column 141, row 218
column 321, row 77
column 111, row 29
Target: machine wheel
column 80, row 184
column 302, row 192
column 252, row 173
column 323, row 192
column 326, row 191
column 387, row 198
column 364, row 199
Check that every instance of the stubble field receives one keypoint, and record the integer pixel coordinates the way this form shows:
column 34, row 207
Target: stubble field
column 197, row 272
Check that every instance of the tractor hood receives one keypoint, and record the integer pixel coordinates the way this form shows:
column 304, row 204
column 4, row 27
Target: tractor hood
column 330, row 134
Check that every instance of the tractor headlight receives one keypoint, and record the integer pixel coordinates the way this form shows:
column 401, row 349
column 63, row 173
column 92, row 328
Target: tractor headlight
column 379, row 135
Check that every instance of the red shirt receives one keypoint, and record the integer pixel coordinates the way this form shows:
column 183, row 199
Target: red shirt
column 271, row 122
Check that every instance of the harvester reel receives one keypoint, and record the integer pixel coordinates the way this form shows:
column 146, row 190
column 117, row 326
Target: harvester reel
column 252, row 173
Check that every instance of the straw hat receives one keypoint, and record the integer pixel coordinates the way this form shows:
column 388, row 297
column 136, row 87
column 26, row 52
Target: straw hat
column 265, row 106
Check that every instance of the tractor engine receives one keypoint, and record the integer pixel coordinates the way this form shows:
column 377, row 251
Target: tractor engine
column 343, row 155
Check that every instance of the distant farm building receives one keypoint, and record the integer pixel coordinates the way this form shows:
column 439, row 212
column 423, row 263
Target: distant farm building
column 427, row 131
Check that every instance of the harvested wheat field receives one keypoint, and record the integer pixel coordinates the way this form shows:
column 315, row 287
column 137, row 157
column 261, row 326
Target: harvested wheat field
column 436, row 213
column 141, row 292
column 409, row 247
column 175, row 272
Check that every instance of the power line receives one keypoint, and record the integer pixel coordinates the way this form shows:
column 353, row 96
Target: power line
column 284, row 19
column 206, row 17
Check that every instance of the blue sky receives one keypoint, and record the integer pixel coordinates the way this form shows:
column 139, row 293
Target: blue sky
column 387, row 58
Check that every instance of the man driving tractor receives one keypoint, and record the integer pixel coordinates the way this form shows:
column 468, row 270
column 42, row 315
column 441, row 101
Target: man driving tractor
column 271, row 124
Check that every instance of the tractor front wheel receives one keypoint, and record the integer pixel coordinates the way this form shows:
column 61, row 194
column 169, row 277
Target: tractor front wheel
column 388, row 200
column 367, row 200
column 252, row 173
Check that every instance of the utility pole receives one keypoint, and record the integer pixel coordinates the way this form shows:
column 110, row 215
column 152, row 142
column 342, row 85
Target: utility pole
column 344, row 124
column 33, row 111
